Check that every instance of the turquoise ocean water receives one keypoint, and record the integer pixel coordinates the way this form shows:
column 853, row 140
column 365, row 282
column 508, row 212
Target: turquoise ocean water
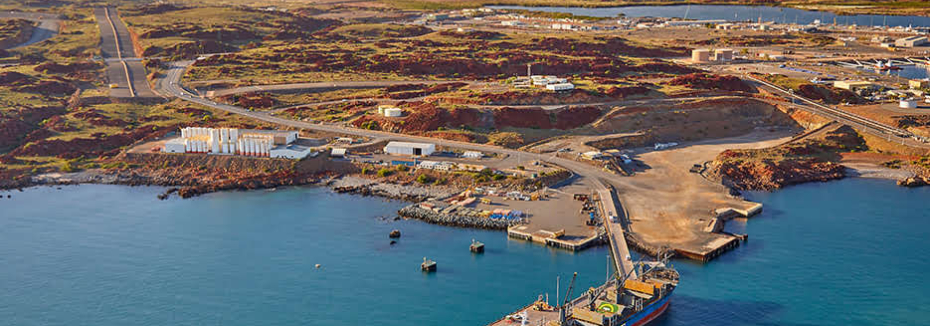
column 839, row 253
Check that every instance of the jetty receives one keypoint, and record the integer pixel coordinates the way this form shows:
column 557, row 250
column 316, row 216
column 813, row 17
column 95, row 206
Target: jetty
column 623, row 262
column 541, row 313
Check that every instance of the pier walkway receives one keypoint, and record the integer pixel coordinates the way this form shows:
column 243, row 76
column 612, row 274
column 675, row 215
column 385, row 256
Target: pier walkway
column 614, row 226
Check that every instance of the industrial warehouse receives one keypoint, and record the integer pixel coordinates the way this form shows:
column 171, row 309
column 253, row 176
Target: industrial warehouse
column 246, row 142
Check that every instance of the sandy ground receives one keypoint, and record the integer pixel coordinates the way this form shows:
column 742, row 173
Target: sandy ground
column 667, row 204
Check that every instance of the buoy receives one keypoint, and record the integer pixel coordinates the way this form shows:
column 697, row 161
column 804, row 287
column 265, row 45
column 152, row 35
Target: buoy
column 318, row 266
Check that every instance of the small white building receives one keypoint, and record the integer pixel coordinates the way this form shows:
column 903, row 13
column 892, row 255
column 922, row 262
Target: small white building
column 433, row 165
column 337, row 152
column 723, row 54
column 907, row 104
column 290, row 151
column 560, row 87
column 392, row 112
column 700, row 55
column 405, row 148
column 175, row 146
column 592, row 155
column 473, row 154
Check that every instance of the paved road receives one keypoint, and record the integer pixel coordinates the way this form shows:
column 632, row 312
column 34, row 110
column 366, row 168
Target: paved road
column 863, row 124
column 123, row 68
column 325, row 86
column 48, row 25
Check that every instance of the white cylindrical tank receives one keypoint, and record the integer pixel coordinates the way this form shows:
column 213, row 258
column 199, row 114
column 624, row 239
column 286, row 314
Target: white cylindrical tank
column 183, row 132
column 234, row 134
column 908, row 104
column 187, row 145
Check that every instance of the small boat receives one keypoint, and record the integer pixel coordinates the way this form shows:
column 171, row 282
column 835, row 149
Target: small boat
column 476, row 247
column 394, row 234
column 428, row 265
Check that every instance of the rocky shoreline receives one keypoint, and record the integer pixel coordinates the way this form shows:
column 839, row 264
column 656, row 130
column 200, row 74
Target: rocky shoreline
column 430, row 216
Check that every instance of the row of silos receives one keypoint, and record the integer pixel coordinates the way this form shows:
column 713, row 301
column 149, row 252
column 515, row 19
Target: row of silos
column 255, row 146
column 196, row 146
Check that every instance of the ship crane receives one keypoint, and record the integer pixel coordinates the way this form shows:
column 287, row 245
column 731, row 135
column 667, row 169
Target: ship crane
column 568, row 295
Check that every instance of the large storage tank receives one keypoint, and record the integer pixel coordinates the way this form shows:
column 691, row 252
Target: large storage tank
column 908, row 104
column 700, row 55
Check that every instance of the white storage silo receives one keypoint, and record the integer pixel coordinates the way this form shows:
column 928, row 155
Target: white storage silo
column 234, row 134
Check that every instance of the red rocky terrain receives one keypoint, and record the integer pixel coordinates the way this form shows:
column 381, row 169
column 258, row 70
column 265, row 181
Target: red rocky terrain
column 811, row 159
column 709, row 81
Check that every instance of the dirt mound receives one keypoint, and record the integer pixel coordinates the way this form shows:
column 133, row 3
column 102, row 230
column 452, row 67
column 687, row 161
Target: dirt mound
column 189, row 49
column 537, row 118
column 458, row 136
column 95, row 118
column 49, row 88
column 440, row 88
column 829, row 95
column 11, row 131
column 250, row 100
column 19, row 123
column 473, row 35
column 692, row 120
column 540, row 98
column 12, row 78
column 709, row 81
column 98, row 146
column 56, row 68
column 152, row 9
column 610, row 46
column 624, row 92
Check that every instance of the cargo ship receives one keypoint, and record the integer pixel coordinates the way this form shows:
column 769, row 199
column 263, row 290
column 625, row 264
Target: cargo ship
column 621, row 301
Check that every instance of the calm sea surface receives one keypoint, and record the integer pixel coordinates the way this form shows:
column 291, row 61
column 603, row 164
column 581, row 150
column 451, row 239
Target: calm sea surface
column 851, row 252
column 737, row 13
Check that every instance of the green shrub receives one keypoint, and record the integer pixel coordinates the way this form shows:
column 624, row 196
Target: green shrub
column 383, row 172
column 424, row 179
